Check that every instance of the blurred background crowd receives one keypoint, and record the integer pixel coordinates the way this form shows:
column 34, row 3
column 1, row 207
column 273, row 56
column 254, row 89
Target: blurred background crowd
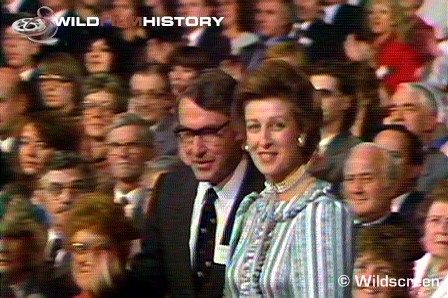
column 298, row 141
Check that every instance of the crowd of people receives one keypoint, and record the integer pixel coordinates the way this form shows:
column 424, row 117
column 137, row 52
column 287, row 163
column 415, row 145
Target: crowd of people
column 299, row 143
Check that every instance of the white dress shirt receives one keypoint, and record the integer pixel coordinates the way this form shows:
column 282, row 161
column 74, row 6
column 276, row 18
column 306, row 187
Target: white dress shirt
column 330, row 12
column 223, row 205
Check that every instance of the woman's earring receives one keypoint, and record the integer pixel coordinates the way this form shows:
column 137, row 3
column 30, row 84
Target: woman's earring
column 246, row 148
column 302, row 140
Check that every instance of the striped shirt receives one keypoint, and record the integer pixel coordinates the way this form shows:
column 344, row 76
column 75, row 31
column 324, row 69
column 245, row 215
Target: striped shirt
column 295, row 248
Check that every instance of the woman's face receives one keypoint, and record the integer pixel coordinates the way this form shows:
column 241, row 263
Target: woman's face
column 57, row 92
column 436, row 230
column 90, row 259
column 98, row 112
column 381, row 19
column 99, row 57
column 367, row 268
column 33, row 151
column 272, row 134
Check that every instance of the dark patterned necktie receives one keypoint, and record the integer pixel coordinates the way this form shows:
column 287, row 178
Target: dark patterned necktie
column 206, row 237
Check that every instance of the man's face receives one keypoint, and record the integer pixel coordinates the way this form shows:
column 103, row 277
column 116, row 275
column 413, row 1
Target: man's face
column 150, row 97
column 307, row 9
column 365, row 184
column 14, row 255
column 18, row 49
column 181, row 77
column 127, row 154
column 98, row 113
column 10, row 105
column 57, row 92
column 396, row 143
column 61, row 189
column 214, row 152
column 271, row 18
column 329, row 98
column 408, row 109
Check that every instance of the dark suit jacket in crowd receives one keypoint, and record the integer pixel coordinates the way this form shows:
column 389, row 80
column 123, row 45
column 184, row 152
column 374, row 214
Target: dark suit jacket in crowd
column 167, row 248
column 215, row 44
column 330, row 166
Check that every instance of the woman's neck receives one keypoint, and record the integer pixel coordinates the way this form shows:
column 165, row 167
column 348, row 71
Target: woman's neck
column 380, row 39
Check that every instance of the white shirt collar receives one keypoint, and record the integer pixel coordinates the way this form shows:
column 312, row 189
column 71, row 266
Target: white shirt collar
column 330, row 12
column 193, row 37
column 230, row 190
column 375, row 222
column 131, row 196
column 7, row 145
column 397, row 202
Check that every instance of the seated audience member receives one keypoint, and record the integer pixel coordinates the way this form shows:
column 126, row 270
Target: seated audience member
column 371, row 99
column 153, row 101
column 59, row 82
column 384, row 252
column 69, row 39
column 409, row 151
column 186, row 65
column 395, row 61
column 434, row 264
column 417, row 33
column 23, row 271
column 313, row 34
column 274, row 21
column 370, row 181
column 130, row 144
column 290, row 52
column 20, row 52
column 334, row 97
column 102, row 53
column 41, row 135
column 238, row 24
column 90, row 8
column 418, row 107
column 268, row 239
column 15, row 104
column 67, row 176
column 104, row 96
column 161, row 44
column 99, row 237
column 208, row 38
column 344, row 18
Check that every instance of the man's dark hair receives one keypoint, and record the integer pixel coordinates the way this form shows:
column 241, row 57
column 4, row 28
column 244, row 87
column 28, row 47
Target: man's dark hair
column 193, row 57
column 414, row 146
column 343, row 73
column 213, row 90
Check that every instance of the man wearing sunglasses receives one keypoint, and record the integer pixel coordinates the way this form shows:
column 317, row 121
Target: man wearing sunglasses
column 197, row 204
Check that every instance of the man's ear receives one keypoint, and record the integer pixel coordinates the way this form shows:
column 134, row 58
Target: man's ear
column 346, row 102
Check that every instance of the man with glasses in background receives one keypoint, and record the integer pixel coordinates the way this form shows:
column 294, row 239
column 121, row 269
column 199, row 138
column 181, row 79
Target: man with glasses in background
column 67, row 176
column 153, row 101
column 196, row 208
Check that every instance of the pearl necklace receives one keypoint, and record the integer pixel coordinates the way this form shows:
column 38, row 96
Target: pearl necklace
column 290, row 181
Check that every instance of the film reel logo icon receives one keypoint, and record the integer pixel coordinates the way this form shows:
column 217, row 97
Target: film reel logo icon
column 38, row 29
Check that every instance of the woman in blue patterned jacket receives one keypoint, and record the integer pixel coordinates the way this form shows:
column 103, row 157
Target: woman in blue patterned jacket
column 294, row 239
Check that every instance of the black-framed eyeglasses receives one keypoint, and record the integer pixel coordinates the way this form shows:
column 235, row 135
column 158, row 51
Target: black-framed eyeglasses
column 150, row 94
column 105, row 106
column 210, row 135
column 51, row 77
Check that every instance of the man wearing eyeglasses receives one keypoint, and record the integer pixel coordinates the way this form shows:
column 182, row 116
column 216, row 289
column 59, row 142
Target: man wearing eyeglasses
column 66, row 177
column 153, row 101
column 197, row 204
